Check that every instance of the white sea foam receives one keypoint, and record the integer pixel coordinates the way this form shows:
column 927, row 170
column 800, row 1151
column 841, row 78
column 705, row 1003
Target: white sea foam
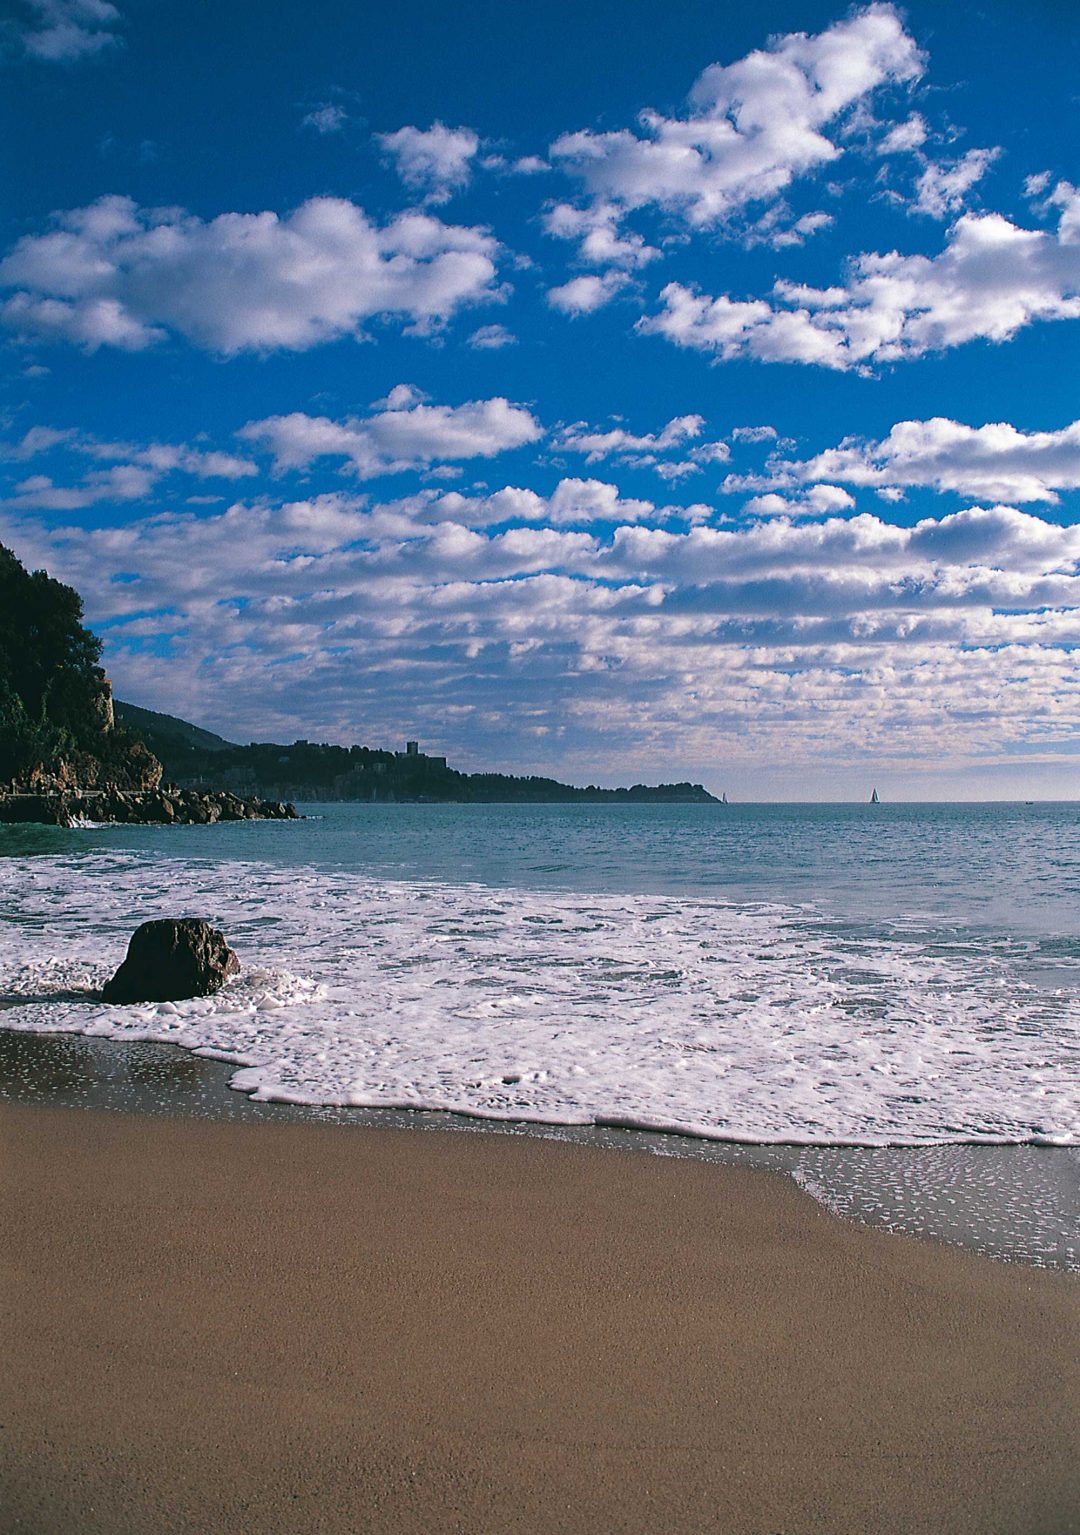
column 745, row 1022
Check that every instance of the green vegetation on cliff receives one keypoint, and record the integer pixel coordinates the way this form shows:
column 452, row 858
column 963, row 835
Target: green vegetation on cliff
column 56, row 714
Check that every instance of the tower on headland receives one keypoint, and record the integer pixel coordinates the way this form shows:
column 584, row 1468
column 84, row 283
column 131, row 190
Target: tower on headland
column 414, row 755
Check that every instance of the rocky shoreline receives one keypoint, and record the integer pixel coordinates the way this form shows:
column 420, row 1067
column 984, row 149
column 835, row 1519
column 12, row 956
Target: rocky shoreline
column 168, row 806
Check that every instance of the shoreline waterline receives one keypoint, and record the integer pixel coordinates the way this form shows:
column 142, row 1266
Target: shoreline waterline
column 1018, row 1203
column 745, row 1020
column 808, row 989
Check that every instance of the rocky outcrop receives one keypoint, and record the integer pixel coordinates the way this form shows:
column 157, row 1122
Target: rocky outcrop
column 66, row 806
column 57, row 720
column 170, row 959
column 124, row 764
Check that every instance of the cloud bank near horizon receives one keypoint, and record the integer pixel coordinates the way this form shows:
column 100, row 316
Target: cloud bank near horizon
column 818, row 639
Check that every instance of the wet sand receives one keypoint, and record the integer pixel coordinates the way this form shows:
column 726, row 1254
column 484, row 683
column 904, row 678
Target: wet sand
column 1016, row 1202
column 294, row 1327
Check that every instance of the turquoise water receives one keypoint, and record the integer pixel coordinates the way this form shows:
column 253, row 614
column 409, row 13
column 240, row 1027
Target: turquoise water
column 820, row 975
column 1016, row 866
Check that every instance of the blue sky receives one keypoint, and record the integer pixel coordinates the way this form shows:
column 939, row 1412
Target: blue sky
column 610, row 390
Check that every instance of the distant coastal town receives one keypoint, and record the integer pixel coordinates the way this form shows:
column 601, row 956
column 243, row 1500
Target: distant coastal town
column 309, row 770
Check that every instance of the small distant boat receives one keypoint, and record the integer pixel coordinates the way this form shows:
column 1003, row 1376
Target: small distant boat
column 723, row 798
column 874, row 798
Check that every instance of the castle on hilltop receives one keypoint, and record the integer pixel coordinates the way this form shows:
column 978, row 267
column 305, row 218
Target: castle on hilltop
column 412, row 750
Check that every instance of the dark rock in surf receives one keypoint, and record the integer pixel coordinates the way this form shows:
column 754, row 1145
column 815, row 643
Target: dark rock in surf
column 170, row 959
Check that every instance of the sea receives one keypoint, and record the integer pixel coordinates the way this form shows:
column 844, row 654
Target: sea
column 882, row 1000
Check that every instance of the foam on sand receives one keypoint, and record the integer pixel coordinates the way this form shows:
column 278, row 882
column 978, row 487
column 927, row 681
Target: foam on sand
column 756, row 1022
column 747, row 1023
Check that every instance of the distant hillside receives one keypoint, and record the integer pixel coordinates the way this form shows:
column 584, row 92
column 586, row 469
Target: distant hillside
column 165, row 734
column 307, row 770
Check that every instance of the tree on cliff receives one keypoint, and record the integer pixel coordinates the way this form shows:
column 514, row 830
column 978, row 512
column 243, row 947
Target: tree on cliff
column 56, row 715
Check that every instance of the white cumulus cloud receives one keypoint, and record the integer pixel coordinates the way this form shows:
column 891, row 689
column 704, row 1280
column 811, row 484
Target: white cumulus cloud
column 113, row 274
column 407, row 434
column 991, row 462
column 819, row 500
column 491, row 338
column 584, row 295
column 754, row 434
column 579, row 438
column 597, row 228
column 573, row 502
column 944, row 185
column 120, row 482
column 37, row 439
column 435, row 161
column 647, row 449
column 991, row 279
column 905, row 137
column 752, row 127
column 529, row 165
column 584, row 501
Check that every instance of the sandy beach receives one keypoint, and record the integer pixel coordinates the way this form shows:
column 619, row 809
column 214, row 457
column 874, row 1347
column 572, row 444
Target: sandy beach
column 237, row 1327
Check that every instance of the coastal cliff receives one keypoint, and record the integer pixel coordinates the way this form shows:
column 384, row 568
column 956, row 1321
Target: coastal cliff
column 58, row 730
column 64, row 755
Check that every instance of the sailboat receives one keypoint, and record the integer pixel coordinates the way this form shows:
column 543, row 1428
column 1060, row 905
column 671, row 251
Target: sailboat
column 723, row 798
column 874, row 798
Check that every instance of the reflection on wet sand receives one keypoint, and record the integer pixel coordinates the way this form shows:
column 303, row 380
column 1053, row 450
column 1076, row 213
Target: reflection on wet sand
column 53, row 1066
column 69, row 1068
column 1017, row 1202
